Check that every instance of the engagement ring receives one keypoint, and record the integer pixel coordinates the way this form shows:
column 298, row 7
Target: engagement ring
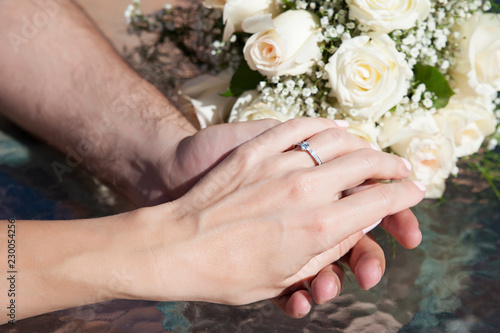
column 304, row 145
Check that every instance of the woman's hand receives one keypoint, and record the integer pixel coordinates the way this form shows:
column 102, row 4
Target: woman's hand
column 198, row 154
column 266, row 218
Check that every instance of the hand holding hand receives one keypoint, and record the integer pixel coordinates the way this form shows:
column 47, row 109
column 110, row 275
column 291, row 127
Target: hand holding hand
column 199, row 153
column 266, row 218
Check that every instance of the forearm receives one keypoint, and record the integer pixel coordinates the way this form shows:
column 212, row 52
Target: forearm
column 68, row 86
column 55, row 265
column 63, row 264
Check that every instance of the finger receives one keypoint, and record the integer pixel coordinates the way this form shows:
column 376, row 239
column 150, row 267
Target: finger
column 345, row 172
column 287, row 134
column 326, row 257
column 240, row 133
column 248, row 130
column 362, row 187
column 355, row 168
column 327, row 284
column 403, row 226
column 359, row 188
column 328, row 144
column 367, row 261
column 296, row 305
column 349, row 215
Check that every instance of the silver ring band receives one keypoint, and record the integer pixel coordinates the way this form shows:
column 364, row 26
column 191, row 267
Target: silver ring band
column 304, row 145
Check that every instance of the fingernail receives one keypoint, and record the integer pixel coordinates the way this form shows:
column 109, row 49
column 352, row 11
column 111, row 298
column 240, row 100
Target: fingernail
column 370, row 228
column 380, row 274
column 342, row 123
column 420, row 185
column 306, row 312
column 335, row 292
column 407, row 163
column 375, row 147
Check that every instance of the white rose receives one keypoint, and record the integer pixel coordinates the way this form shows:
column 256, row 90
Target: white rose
column 244, row 15
column 288, row 49
column 432, row 158
column 478, row 65
column 366, row 130
column 426, row 142
column 249, row 107
column 386, row 16
column 469, row 120
column 204, row 96
column 368, row 76
column 395, row 129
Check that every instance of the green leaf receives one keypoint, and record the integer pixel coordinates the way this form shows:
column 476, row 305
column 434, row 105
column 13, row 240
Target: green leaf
column 244, row 79
column 435, row 82
column 495, row 7
column 289, row 5
column 228, row 93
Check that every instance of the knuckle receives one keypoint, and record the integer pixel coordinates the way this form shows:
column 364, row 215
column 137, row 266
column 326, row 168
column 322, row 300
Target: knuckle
column 233, row 170
column 246, row 154
column 270, row 122
column 369, row 159
column 317, row 229
column 319, row 224
column 294, row 123
column 300, row 186
column 385, row 197
column 337, row 136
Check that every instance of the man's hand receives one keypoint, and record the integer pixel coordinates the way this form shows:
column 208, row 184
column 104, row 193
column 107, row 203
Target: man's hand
column 366, row 260
column 186, row 163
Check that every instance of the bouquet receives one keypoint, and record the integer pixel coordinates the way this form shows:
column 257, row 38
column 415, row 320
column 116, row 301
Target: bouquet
column 417, row 78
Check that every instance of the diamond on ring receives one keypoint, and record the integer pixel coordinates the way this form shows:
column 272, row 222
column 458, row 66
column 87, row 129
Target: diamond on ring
column 304, row 145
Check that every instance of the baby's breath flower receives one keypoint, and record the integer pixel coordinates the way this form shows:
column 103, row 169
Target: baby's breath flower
column 324, row 21
column 492, row 144
column 428, row 103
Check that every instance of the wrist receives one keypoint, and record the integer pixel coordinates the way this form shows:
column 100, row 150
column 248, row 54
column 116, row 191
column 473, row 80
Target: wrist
column 147, row 138
column 150, row 253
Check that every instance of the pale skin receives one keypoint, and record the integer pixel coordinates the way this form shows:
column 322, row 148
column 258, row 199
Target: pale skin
column 73, row 91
